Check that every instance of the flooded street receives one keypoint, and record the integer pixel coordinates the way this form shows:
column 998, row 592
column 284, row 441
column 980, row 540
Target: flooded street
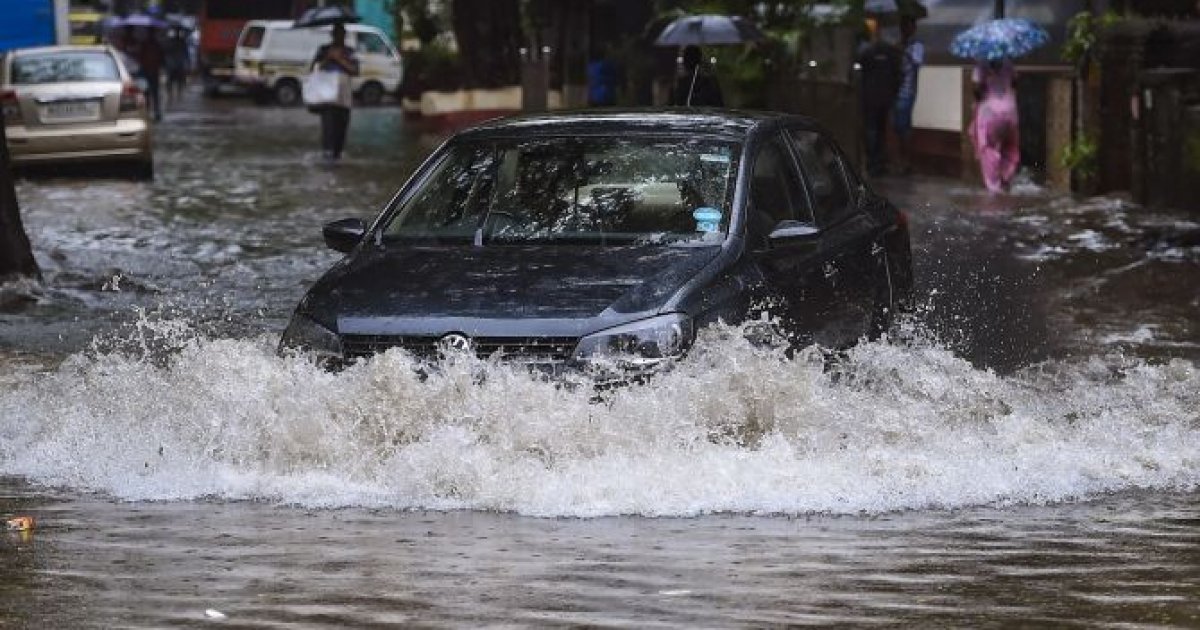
column 1024, row 450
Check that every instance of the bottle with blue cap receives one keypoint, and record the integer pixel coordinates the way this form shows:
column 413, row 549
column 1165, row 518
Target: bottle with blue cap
column 708, row 219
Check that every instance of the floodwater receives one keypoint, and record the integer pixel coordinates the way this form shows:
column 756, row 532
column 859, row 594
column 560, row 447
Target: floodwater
column 1024, row 450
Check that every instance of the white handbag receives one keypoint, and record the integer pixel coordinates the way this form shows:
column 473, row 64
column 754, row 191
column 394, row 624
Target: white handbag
column 322, row 87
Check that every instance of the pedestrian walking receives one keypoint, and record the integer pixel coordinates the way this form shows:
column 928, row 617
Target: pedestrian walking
column 336, row 57
column 994, row 128
column 880, row 68
column 910, row 66
column 177, row 59
column 143, row 46
column 696, row 86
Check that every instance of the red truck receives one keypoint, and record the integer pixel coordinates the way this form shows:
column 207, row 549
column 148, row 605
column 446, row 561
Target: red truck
column 221, row 23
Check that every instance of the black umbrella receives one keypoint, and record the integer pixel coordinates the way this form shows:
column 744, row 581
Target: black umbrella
column 325, row 16
column 895, row 8
column 708, row 30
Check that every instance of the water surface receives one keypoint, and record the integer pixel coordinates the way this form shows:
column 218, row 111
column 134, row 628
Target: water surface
column 1024, row 450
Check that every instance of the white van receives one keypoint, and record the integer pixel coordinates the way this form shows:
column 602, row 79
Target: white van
column 273, row 57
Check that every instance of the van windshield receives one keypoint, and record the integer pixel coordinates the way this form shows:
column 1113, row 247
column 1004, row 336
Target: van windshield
column 600, row 190
column 252, row 37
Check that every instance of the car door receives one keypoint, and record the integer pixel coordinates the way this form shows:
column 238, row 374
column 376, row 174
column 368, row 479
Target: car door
column 851, row 259
column 793, row 287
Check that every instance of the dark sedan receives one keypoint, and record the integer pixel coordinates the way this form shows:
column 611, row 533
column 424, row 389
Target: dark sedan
column 608, row 239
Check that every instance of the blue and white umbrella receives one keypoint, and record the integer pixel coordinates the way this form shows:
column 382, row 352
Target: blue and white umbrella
column 1006, row 38
column 708, row 30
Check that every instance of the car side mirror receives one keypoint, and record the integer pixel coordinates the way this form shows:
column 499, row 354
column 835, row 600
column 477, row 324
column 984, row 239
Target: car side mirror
column 342, row 235
column 794, row 233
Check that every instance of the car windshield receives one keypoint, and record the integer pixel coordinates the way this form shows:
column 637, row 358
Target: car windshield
column 64, row 66
column 600, row 190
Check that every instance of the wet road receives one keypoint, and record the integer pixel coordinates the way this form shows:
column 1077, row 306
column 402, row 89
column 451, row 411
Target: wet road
column 1025, row 451
column 228, row 233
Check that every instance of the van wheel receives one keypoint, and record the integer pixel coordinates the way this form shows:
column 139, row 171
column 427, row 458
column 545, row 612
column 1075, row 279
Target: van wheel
column 371, row 94
column 287, row 93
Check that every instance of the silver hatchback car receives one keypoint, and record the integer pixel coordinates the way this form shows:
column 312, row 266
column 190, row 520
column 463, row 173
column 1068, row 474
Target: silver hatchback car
column 73, row 104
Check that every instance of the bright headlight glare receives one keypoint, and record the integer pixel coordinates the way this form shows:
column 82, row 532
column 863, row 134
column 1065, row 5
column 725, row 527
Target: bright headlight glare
column 639, row 344
column 305, row 334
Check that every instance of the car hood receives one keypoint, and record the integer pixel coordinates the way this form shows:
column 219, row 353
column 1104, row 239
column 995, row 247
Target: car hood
column 436, row 289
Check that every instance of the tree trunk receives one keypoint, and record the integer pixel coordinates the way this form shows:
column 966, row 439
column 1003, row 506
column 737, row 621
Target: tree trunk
column 489, row 37
column 16, row 257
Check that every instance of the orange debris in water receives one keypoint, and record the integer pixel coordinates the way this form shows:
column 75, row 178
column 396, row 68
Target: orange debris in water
column 20, row 523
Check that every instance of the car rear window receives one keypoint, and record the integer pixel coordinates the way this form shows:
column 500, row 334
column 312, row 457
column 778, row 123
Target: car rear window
column 253, row 37
column 60, row 67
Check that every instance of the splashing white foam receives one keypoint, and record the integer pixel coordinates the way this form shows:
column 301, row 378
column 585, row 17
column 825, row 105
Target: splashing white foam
column 735, row 428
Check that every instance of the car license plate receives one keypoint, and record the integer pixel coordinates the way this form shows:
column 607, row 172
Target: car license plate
column 71, row 111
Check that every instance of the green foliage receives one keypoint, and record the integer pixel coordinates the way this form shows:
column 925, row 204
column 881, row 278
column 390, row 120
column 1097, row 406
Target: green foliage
column 432, row 67
column 413, row 17
column 1081, row 156
column 743, row 76
column 746, row 71
column 1191, row 150
column 1083, row 30
column 769, row 16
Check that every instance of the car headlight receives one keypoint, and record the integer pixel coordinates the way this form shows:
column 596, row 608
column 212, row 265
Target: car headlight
column 304, row 333
column 642, row 344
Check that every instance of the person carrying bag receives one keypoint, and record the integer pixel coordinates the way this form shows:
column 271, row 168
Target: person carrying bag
column 326, row 91
column 322, row 87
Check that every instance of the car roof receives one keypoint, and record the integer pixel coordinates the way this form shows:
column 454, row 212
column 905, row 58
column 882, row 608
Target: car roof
column 727, row 123
column 271, row 23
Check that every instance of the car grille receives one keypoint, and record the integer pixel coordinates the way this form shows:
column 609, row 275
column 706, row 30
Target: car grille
column 519, row 349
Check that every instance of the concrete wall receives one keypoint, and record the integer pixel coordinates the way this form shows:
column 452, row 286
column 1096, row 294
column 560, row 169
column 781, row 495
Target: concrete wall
column 939, row 99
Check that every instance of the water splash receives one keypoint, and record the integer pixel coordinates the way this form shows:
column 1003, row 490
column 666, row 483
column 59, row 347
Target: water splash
column 737, row 428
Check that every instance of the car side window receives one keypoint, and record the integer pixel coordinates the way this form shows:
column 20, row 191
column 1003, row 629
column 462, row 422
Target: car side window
column 775, row 192
column 371, row 43
column 824, row 172
column 453, row 205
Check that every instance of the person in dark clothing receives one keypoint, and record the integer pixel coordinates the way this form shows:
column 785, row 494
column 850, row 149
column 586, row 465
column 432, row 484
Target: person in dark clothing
column 177, row 63
column 881, row 72
column 143, row 46
column 696, row 86
column 336, row 56
column 602, row 82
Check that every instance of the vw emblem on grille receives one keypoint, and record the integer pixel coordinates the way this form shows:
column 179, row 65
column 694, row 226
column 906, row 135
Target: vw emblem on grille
column 455, row 342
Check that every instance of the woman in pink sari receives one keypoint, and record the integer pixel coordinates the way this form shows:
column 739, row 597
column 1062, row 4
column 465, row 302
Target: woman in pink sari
column 994, row 130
